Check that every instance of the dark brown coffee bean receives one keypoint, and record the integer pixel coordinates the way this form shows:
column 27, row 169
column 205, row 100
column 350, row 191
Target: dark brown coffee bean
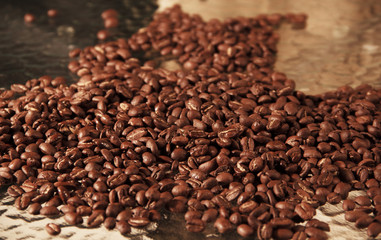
column 348, row 205
column 265, row 231
column 374, row 229
column 316, row 233
column 333, row 198
column 22, row 202
column 49, row 211
column 362, row 201
column 124, row 215
column 282, row 233
column 83, row 210
column 209, row 215
column 363, row 222
column 109, row 223
column 305, row 211
column 352, row 216
column 73, row 218
column 195, row 225
column 123, row 227
column 95, row 219
column 53, row 229
column 34, row 208
column 138, row 221
column 299, row 236
column 223, row 225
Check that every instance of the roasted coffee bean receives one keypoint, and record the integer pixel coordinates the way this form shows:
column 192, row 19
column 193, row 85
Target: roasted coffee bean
column 195, row 225
column 228, row 139
column 123, row 227
column 49, row 211
column 109, row 223
column 282, row 233
column 299, row 236
column 137, row 221
column 374, row 229
column 316, row 233
column 34, row 208
column 209, row 215
column 22, row 202
column 223, row 225
column 95, row 219
column 348, row 205
column 245, row 230
column 73, row 218
column 53, row 229
column 352, row 216
column 362, row 201
column 124, row 215
column 265, row 231
column 363, row 222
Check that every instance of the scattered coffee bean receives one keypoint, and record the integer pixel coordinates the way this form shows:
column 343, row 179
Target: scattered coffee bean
column 53, row 229
column 225, row 139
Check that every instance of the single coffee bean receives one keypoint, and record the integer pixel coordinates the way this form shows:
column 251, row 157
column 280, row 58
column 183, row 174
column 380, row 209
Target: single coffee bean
column 245, row 230
column 49, row 211
column 195, row 225
column 53, row 229
column 109, row 223
column 123, row 227
column 363, row 222
column 95, row 219
column 374, row 229
column 352, row 216
column 34, row 208
column 348, row 205
column 362, row 201
column 223, row 225
column 138, row 221
column 316, row 233
column 73, row 218
column 282, row 233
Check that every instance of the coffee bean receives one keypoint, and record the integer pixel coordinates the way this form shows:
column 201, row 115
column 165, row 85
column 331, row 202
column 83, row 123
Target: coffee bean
column 73, row 218
column 348, row 205
column 34, row 208
column 49, row 211
column 352, row 216
column 282, row 233
column 223, row 225
column 362, row 201
column 53, row 229
column 195, row 225
column 363, row 222
column 316, row 233
column 138, row 221
column 123, row 227
column 95, row 219
column 245, row 230
column 109, row 223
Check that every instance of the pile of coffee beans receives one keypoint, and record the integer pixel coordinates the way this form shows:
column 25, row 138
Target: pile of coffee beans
column 226, row 140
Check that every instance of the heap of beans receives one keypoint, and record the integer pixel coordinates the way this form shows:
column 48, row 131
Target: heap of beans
column 226, row 140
